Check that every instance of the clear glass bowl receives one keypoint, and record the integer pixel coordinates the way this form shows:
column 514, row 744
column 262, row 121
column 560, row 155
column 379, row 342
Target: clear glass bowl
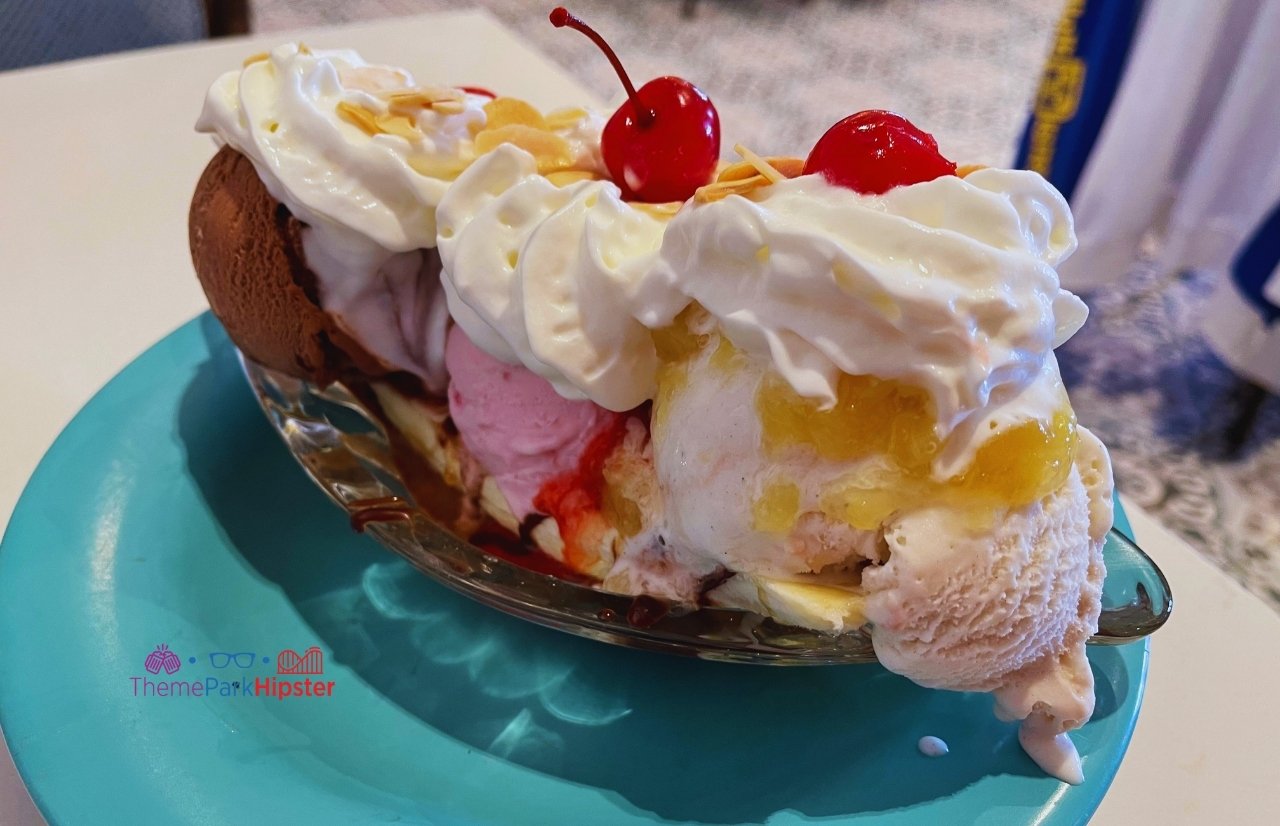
column 345, row 451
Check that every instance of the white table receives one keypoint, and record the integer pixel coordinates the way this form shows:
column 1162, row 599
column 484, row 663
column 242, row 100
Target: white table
column 96, row 169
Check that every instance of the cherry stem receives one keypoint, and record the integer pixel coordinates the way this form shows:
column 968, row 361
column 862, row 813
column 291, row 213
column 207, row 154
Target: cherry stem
column 560, row 17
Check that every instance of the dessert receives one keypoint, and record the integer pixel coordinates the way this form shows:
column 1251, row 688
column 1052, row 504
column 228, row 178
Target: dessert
column 822, row 388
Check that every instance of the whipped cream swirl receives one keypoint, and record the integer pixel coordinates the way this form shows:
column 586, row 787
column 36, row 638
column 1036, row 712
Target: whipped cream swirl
column 546, row 276
column 283, row 114
column 948, row 284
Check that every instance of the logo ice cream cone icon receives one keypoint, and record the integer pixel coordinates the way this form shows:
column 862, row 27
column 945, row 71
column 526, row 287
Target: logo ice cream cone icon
column 162, row 657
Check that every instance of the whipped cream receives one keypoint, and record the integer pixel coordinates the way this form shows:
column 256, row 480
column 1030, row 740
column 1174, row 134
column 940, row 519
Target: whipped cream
column 283, row 114
column 948, row 285
column 547, row 276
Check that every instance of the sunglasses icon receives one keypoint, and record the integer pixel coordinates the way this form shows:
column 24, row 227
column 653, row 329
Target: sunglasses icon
column 220, row 659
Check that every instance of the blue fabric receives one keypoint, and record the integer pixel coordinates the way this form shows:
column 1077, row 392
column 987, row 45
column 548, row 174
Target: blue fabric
column 1091, row 45
column 1257, row 260
column 43, row 31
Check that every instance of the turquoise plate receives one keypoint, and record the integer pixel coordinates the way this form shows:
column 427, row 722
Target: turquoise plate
column 168, row 530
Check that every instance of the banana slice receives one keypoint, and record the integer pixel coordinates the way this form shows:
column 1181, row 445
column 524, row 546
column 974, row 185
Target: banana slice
column 423, row 426
column 830, row 608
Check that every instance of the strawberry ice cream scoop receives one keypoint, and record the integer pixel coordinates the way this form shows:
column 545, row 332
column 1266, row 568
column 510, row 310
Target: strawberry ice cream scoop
column 514, row 423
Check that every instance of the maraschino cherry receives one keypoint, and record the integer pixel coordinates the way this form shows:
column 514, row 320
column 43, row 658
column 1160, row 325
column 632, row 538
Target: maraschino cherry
column 873, row 151
column 664, row 141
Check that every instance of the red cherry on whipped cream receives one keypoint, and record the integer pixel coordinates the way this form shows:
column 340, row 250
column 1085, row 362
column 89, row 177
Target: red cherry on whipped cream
column 664, row 141
column 873, row 151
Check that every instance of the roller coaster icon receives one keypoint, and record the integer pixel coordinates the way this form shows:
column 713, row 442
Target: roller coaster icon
column 311, row 661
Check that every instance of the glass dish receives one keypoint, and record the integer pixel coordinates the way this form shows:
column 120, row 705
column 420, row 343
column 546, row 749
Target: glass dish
column 346, row 452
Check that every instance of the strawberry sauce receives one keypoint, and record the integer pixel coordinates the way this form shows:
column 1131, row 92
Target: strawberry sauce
column 574, row 498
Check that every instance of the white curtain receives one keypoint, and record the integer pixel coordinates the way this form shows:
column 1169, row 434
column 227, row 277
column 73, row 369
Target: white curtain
column 1191, row 147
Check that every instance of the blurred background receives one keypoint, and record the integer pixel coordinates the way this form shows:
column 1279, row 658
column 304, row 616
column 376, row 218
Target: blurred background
column 1154, row 117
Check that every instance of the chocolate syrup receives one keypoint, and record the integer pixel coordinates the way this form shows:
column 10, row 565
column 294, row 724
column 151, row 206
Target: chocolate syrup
column 497, row 541
column 646, row 611
column 711, row 582
column 527, row 527
column 365, row 512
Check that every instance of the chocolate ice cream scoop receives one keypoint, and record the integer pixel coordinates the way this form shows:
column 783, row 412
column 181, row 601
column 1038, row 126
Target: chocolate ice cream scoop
column 247, row 252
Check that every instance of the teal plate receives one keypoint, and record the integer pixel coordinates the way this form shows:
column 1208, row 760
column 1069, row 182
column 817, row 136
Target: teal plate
column 169, row 514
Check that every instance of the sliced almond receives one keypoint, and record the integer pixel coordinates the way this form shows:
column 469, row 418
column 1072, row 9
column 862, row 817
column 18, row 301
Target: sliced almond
column 789, row 167
column 255, row 58
column 440, row 168
column 449, row 107
column 422, row 97
column 501, row 112
column 564, row 177
column 359, row 116
column 565, row 118
column 785, row 166
column 964, row 169
column 761, row 165
column 408, row 101
column 399, row 125
column 551, row 151
column 723, row 189
column 738, row 171
column 376, row 80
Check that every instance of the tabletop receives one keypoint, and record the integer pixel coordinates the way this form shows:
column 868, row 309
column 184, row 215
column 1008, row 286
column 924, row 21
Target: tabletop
column 94, row 190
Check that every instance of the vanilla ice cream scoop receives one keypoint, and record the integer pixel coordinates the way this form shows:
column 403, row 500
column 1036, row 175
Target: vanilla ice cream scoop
column 961, row 591
column 1006, row 610
column 728, row 499
column 889, row 420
